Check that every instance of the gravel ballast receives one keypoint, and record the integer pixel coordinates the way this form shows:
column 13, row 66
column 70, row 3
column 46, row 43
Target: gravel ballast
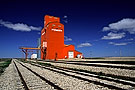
column 33, row 82
column 113, row 71
column 10, row 79
column 66, row 82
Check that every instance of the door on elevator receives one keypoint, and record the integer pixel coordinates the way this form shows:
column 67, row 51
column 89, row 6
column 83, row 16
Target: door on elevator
column 70, row 54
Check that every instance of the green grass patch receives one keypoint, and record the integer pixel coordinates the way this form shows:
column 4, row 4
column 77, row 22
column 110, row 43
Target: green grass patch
column 3, row 64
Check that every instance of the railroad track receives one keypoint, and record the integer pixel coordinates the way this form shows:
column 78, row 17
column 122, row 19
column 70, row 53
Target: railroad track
column 127, row 74
column 96, row 76
column 132, row 62
column 86, row 63
column 69, row 76
column 21, row 77
column 39, row 83
column 108, row 82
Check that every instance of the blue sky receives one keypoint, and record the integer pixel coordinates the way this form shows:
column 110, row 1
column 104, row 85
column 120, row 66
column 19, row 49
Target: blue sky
column 97, row 28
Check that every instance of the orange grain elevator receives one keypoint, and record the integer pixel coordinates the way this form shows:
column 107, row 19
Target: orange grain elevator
column 52, row 41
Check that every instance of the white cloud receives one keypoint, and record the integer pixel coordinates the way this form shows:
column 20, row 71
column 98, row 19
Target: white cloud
column 39, row 33
column 65, row 16
column 18, row 26
column 65, row 21
column 84, row 45
column 112, row 35
column 117, row 44
column 130, row 39
column 67, row 38
column 127, row 24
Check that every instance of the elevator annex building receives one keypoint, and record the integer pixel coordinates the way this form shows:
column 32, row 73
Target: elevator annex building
column 52, row 41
